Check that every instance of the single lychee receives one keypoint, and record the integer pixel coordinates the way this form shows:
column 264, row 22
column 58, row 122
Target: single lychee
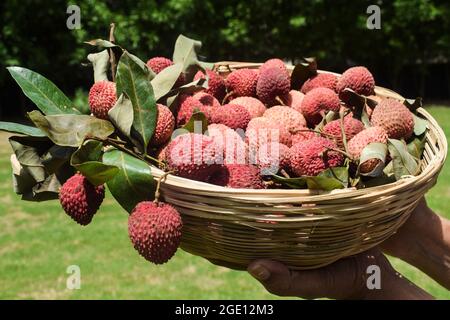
column 187, row 107
column 155, row 230
column 317, row 103
column 359, row 79
column 351, row 127
column 102, row 97
column 254, row 107
column 263, row 130
column 232, row 115
column 303, row 134
column 273, row 86
column 291, row 119
column 321, row 80
column 295, row 99
column 239, row 176
column 274, row 63
column 242, row 83
column 361, row 140
column 309, row 158
column 216, row 84
column 80, row 199
column 394, row 117
column 164, row 126
column 207, row 99
column 194, row 156
column 158, row 64
column 234, row 147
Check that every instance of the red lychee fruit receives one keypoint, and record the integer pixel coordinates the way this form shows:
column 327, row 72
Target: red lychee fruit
column 254, row 107
column 317, row 103
column 242, row 83
column 155, row 230
column 102, row 97
column 239, row 176
column 164, row 126
column 80, row 199
column 309, row 158
column 232, row 115
column 216, row 84
column 321, row 80
column 273, row 86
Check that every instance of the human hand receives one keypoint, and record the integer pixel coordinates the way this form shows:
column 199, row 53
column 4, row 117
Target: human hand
column 424, row 242
column 344, row 279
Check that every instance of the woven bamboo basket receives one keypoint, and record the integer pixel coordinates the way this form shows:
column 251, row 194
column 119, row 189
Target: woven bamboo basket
column 304, row 229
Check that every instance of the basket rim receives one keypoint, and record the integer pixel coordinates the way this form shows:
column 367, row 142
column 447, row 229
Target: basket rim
column 431, row 169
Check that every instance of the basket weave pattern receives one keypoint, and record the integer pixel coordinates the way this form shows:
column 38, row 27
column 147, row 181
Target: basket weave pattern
column 304, row 229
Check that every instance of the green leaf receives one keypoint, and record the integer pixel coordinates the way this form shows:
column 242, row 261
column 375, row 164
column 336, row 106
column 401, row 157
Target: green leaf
column 121, row 115
column 164, row 81
column 134, row 181
column 197, row 123
column 420, row 125
column 21, row 129
column 100, row 64
column 403, row 162
column 329, row 179
column 413, row 104
column 416, row 146
column 134, row 79
column 39, row 167
column 189, row 88
column 88, row 160
column 302, row 72
column 44, row 93
column 185, row 53
column 101, row 43
column 374, row 150
column 71, row 130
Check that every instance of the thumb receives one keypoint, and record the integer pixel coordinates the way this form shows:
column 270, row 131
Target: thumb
column 281, row 281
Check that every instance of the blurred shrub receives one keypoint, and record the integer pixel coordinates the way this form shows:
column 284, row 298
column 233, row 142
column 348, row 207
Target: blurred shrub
column 414, row 33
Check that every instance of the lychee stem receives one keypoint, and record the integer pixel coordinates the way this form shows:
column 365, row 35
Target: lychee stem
column 280, row 101
column 227, row 96
column 316, row 131
column 341, row 123
column 158, row 186
column 285, row 174
column 339, row 151
column 112, row 56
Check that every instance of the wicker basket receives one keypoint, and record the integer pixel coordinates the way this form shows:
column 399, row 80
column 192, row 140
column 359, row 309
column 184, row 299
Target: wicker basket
column 304, row 229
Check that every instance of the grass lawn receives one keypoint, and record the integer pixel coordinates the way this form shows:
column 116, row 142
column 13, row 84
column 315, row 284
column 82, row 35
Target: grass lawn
column 38, row 242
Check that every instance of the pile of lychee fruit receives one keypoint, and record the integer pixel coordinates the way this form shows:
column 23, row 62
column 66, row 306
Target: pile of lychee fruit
column 259, row 127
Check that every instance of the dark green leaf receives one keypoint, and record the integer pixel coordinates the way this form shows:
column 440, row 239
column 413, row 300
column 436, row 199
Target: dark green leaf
column 416, row 147
column 302, row 72
column 403, row 162
column 174, row 95
column 44, row 93
column 22, row 129
column 88, row 160
column 329, row 179
column 71, row 130
column 197, row 123
column 134, row 181
column 134, row 80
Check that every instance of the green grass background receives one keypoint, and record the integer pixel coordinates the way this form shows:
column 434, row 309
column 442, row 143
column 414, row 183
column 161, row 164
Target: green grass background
column 38, row 242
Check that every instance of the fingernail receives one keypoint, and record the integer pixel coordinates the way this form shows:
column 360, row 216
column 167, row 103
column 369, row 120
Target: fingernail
column 259, row 272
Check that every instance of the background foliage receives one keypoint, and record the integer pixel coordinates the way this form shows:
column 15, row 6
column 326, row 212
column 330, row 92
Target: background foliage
column 409, row 53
